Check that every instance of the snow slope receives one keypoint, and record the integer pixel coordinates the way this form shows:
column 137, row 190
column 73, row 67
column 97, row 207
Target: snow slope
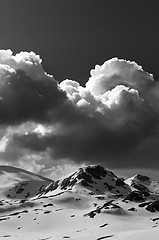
column 90, row 204
column 20, row 184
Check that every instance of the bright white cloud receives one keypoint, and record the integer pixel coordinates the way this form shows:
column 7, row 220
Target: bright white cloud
column 117, row 72
column 114, row 93
column 28, row 62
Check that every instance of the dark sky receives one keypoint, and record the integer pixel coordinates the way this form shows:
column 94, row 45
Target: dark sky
column 72, row 36
column 114, row 121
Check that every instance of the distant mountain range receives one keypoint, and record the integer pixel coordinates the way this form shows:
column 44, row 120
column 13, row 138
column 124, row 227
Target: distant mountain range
column 91, row 198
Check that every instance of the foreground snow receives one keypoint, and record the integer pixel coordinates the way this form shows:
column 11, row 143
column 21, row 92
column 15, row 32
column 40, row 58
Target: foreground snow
column 80, row 206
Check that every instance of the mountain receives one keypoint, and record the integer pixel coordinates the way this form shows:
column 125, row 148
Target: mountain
column 143, row 183
column 94, row 178
column 92, row 203
column 17, row 183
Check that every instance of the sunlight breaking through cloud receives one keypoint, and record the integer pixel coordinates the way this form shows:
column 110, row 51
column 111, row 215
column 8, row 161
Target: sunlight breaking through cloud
column 112, row 120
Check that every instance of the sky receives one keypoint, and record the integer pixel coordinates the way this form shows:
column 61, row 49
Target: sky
column 79, row 85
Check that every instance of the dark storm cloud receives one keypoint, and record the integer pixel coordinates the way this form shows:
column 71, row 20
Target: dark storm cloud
column 87, row 143
column 113, row 120
column 91, row 143
column 26, row 91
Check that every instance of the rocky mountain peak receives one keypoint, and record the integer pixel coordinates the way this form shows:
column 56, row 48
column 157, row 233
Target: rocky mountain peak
column 96, row 179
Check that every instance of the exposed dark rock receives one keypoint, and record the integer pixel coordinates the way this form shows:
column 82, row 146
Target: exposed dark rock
column 41, row 189
column 78, row 199
column 53, row 186
column 65, row 183
column 27, row 195
column 4, row 219
column 132, row 209
column 144, row 204
column 48, row 205
column 119, row 182
column 104, row 225
column 108, row 186
column 140, row 187
column 153, row 206
column 20, row 190
column 114, row 206
column 84, row 183
column 93, row 213
column 146, row 194
column 85, row 176
column 104, row 237
column 14, row 214
column 142, row 178
column 155, row 219
column 58, row 209
column 97, row 171
column 7, row 236
column 135, row 196
column 23, row 201
column 100, row 197
column 47, row 212
column 68, row 183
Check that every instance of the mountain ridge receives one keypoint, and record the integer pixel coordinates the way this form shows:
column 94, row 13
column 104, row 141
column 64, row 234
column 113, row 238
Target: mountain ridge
column 91, row 203
column 95, row 178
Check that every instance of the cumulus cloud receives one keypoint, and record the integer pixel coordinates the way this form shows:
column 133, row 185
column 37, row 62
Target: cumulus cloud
column 113, row 120
column 118, row 72
column 26, row 91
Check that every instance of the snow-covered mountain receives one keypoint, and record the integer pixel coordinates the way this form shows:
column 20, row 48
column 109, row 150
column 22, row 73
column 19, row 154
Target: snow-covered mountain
column 94, row 178
column 143, row 183
column 92, row 203
column 17, row 183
